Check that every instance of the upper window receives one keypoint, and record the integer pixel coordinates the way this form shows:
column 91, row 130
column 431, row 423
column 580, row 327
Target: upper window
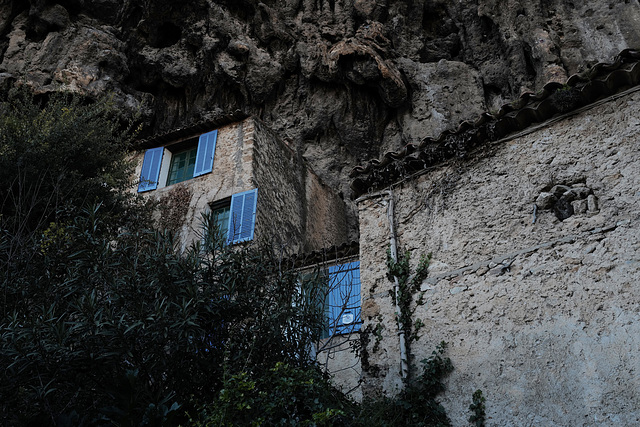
column 186, row 162
column 182, row 165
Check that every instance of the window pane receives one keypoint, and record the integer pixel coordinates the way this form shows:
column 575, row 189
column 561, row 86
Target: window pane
column 221, row 220
column 182, row 165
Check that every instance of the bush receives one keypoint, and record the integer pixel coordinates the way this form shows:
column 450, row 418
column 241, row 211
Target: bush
column 126, row 331
column 57, row 156
column 416, row 404
column 284, row 396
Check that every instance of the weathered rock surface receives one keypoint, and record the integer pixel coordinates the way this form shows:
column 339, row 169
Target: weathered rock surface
column 342, row 80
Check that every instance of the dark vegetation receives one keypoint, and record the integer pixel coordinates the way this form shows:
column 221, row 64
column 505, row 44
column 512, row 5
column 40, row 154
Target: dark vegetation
column 103, row 322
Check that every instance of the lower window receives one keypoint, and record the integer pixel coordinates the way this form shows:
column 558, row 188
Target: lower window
column 220, row 212
column 235, row 217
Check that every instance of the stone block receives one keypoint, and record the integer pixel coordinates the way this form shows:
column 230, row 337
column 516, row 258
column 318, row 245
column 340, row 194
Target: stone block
column 546, row 200
column 559, row 190
column 579, row 206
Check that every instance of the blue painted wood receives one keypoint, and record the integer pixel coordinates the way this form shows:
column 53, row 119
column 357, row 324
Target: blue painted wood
column 150, row 169
column 206, row 152
column 344, row 298
column 242, row 219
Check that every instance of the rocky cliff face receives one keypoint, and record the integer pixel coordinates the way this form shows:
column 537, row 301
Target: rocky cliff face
column 341, row 80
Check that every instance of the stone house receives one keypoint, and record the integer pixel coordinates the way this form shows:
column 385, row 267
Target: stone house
column 250, row 180
column 257, row 188
column 531, row 217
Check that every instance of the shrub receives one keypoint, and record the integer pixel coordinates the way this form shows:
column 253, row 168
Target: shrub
column 283, row 395
column 57, row 156
column 125, row 331
column 416, row 404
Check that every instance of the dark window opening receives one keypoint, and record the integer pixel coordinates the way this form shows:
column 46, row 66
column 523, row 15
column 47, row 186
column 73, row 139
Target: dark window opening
column 182, row 165
column 220, row 212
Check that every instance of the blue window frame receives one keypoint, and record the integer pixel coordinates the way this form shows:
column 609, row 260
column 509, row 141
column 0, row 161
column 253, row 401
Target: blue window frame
column 185, row 164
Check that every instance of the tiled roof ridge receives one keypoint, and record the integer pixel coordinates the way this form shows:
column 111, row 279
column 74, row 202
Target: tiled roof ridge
column 192, row 129
column 603, row 79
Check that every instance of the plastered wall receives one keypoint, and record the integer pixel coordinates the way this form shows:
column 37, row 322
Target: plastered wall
column 542, row 314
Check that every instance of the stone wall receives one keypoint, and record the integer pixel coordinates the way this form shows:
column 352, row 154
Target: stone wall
column 281, row 190
column 336, row 356
column 325, row 215
column 540, row 313
column 292, row 198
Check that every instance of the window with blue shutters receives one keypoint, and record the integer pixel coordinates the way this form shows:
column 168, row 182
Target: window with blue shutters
column 342, row 308
column 242, row 217
column 188, row 160
column 150, row 169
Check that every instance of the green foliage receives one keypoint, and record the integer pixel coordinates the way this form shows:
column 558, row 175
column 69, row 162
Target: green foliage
column 284, row 396
column 288, row 396
column 124, row 331
column 408, row 286
column 59, row 155
column 416, row 404
column 477, row 408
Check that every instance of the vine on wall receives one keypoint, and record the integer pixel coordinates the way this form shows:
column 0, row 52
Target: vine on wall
column 173, row 207
column 408, row 287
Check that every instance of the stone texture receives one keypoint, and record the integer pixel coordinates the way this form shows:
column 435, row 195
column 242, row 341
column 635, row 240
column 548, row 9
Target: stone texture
column 546, row 200
column 549, row 333
column 579, row 206
column 592, row 204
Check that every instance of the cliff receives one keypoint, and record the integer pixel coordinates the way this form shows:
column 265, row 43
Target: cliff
column 341, row 80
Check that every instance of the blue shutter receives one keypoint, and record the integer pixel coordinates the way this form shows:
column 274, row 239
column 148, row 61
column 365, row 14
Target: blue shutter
column 206, row 150
column 242, row 219
column 344, row 298
column 150, row 169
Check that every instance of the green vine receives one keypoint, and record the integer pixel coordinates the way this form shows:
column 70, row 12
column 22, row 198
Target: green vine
column 408, row 286
column 477, row 408
column 377, row 332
